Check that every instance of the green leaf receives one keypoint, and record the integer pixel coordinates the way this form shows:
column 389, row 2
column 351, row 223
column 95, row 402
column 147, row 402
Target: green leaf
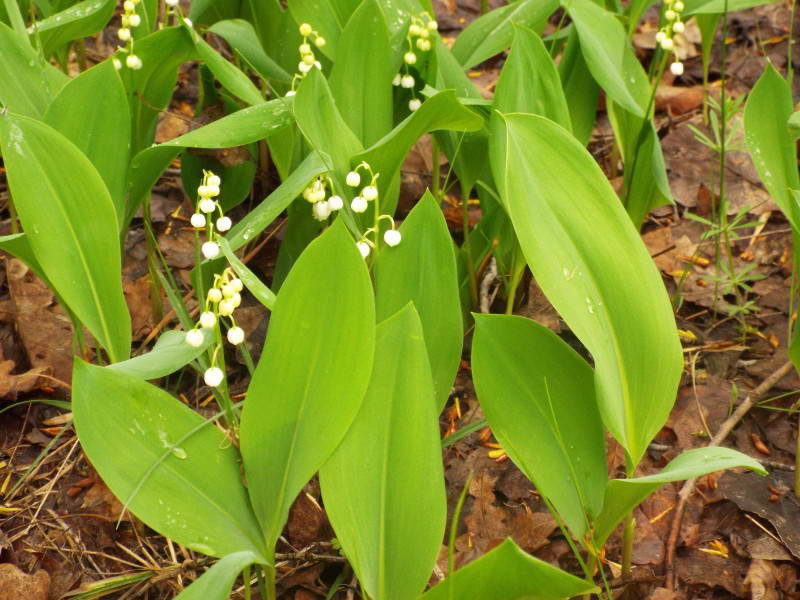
column 27, row 82
column 237, row 129
column 18, row 246
column 79, row 20
column 623, row 495
column 384, row 486
column 606, row 50
column 228, row 75
column 538, row 395
column 170, row 353
column 422, row 270
column 311, row 379
column 774, row 154
column 71, row 224
column 491, row 33
column 177, row 472
column 529, row 80
column 580, row 89
column 216, row 583
column 713, row 7
column 508, row 573
column 243, row 39
column 365, row 100
column 98, row 124
column 593, row 267
column 261, row 292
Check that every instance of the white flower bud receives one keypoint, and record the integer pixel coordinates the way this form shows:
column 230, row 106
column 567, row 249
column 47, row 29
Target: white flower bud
column 309, row 59
column 320, row 41
column 363, row 248
column 172, row 2
column 396, row 80
column 226, row 308
column 194, row 337
column 207, row 205
column 667, row 44
column 212, row 190
column 414, row 29
column 678, row 27
column 236, row 284
column 117, row 63
column 214, row 181
column 678, row 6
column 210, row 250
column 424, row 34
column 202, row 191
column 335, row 202
column 124, row 34
column 661, row 36
column 224, row 223
column 227, row 290
column 414, row 104
column 235, row 335
column 303, row 67
column 198, row 220
column 305, row 29
column 433, row 25
column 129, row 6
column 676, row 68
column 133, row 62
column 358, row 204
column 213, row 376
column 369, row 193
column 290, row 93
column 410, row 58
column 423, row 45
column 304, row 49
column 214, row 295
column 317, row 195
column 353, row 179
column 208, row 319
column 670, row 15
column 135, row 20
column 391, row 237
column 321, row 211
column 318, row 65
column 407, row 81
column 236, row 299
column 188, row 23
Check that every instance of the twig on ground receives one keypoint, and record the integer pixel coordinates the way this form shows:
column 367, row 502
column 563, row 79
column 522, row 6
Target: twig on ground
column 688, row 486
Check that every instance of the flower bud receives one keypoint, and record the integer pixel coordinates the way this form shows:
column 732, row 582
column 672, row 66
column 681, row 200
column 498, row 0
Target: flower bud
column 678, row 6
column 317, row 195
column 227, row 290
column 235, row 335
column 172, row 2
column 236, row 284
column 320, row 41
column 124, row 34
column 433, row 25
column 309, row 59
column 208, row 319
column 335, row 202
column 363, row 248
column 358, row 204
column 410, row 58
column 424, row 34
column 117, row 64
column 198, row 220
column 195, row 338
column 396, row 80
column 210, row 250
column 353, row 179
column 304, row 49
column 226, row 308
column 670, row 15
column 133, row 62
column 129, row 6
column 423, row 45
column 214, row 181
column 414, row 29
column 678, row 27
column 661, row 36
column 303, row 67
column 407, row 81
column 207, row 205
column 391, row 237
column 290, row 93
column 224, row 223
column 213, row 376
column 305, row 29
column 236, row 299
column 135, row 20
column 188, row 23
column 414, row 104
column 369, row 193
column 214, row 295
column 318, row 64
column 667, row 44
column 212, row 190
column 676, row 68
column 321, row 211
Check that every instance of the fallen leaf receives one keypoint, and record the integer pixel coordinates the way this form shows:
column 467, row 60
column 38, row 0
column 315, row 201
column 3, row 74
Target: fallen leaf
column 16, row 585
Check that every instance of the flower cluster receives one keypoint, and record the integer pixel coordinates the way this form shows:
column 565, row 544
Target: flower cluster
column 204, row 217
column 317, row 194
column 665, row 36
column 130, row 20
column 308, row 59
column 417, row 38
column 391, row 236
column 369, row 193
column 221, row 301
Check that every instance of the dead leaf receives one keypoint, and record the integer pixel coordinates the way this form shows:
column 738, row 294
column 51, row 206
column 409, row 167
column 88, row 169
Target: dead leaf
column 762, row 582
column 16, row 585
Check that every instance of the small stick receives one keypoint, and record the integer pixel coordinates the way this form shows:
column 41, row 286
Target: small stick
column 688, row 486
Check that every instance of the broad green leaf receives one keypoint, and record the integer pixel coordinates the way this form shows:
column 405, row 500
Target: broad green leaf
column 71, row 224
column 384, row 486
column 422, row 270
column 210, row 11
column 774, row 154
column 237, row 129
column 311, row 379
column 492, row 33
column 593, row 267
column 324, row 18
column 261, row 292
column 17, row 245
column 276, row 29
column 170, row 353
column 258, row 219
column 238, row 178
column 216, row 583
column 27, row 82
column 529, row 80
column 98, row 124
column 623, row 495
column 794, row 125
column 12, row 14
column 606, row 50
column 508, row 573
column 243, row 39
column 174, row 470
column 538, row 395
column 365, row 100
column 228, row 75
column 79, row 20
column 713, row 7
column 449, row 74
column 580, row 89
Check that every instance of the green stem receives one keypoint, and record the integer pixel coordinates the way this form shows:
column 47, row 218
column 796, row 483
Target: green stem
column 437, row 175
column 267, row 585
column 473, row 280
column 248, row 593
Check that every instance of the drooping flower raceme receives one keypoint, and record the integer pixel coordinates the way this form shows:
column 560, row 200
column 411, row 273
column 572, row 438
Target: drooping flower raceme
column 308, row 59
column 129, row 21
column 666, row 35
column 418, row 39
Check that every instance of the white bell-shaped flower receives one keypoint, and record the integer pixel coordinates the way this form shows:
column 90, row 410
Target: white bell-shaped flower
column 358, row 204
column 208, row 319
column 210, row 250
column 321, row 210
column 224, row 223
column 369, row 193
column 198, row 220
column 194, row 337
column 391, row 237
column 414, row 104
column 133, row 62
column 213, row 376
column 363, row 248
column 407, row 81
column 353, row 179
column 335, row 202
column 214, row 295
column 235, row 335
